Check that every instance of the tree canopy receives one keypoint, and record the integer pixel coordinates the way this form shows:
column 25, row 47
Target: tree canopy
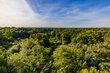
column 54, row 50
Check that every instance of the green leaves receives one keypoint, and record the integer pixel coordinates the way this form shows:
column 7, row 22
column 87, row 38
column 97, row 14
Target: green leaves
column 99, row 55
column 67, row 59
column 66, row 38
column 51, row 50
column 3, row 69
column 92, row 70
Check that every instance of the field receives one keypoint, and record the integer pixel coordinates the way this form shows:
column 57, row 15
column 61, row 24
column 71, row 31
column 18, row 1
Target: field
column 54, row 50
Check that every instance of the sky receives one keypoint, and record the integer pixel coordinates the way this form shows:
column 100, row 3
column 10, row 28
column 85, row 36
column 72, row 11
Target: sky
column 55, row 13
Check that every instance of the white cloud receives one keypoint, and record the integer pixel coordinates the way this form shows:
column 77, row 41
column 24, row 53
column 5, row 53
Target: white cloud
column 93, row 17
column 19, row 13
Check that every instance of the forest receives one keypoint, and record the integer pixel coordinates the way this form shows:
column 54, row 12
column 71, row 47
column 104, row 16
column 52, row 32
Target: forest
column 54, row 50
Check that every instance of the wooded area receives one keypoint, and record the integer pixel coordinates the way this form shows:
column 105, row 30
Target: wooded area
column 54, row 50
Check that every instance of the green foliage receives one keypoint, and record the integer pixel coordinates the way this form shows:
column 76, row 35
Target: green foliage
column 88, row 38
column 2, row 39
column 99, row 56
column 2, row 56
column 99, row 37
column 66, row 38
column 35, row 60
column 42, row 39
column 2, row 61
column 45, row 42
column 31, row 58
column 58, row 36
column 3, row 69
column 67, row 60
column 22, row 46
column 15, row 49
column 85, row 39
column 54, row 50
column 92, row 70
column 53, row 34
column 15, row 63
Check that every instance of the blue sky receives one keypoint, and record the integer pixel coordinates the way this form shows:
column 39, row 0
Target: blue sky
column 55, row 13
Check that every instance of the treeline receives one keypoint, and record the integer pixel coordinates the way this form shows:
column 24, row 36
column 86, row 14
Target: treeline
column 54, row 50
